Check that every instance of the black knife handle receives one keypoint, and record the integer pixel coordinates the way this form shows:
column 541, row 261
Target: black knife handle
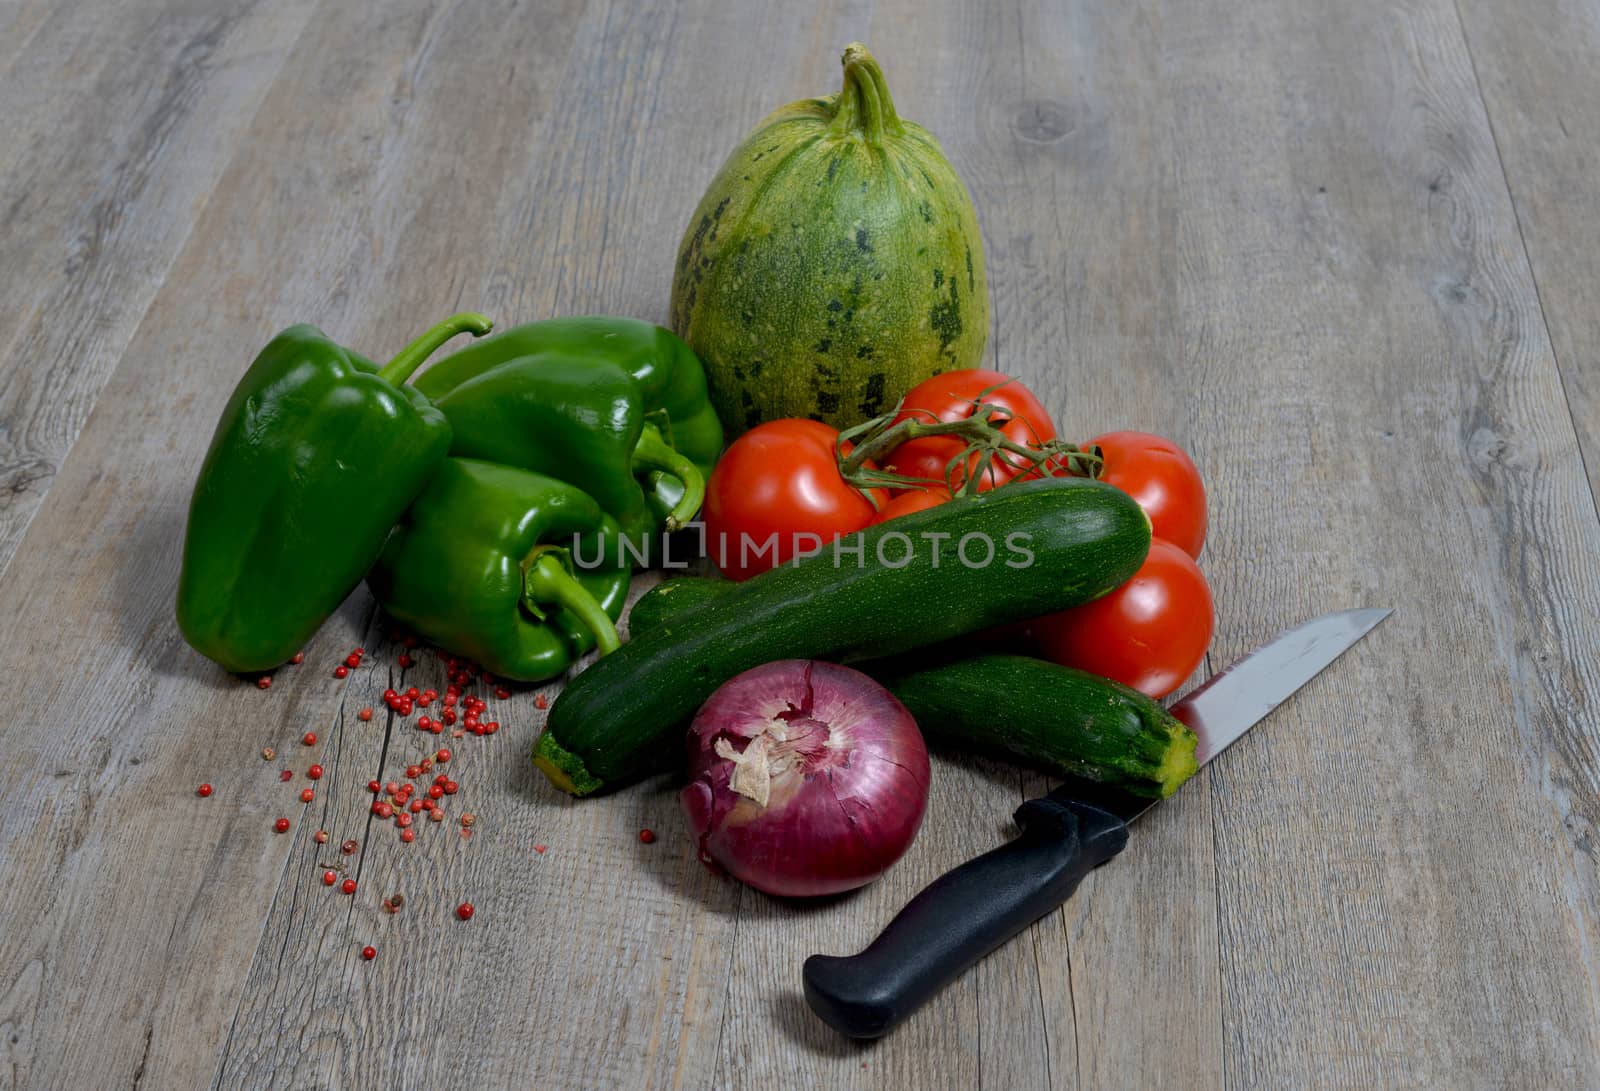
column 962, row 916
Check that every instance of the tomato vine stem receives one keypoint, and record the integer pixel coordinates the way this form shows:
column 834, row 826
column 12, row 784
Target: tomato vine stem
column 985, row 439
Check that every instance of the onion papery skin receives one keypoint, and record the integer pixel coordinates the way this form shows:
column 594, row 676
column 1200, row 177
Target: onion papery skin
column 842, row 765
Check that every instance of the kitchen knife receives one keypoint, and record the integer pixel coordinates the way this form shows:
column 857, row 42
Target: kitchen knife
column 970, row 911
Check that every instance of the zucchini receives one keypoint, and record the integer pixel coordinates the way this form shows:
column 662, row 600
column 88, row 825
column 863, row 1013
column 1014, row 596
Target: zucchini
column 673, row 598
column 1061, row 720
column 899, row 585
column 1066, row 721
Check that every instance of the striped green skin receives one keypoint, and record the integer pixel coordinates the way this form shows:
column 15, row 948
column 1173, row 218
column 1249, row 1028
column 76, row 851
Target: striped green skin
column 623, row 718
column 1054, row 718
column 834, row 263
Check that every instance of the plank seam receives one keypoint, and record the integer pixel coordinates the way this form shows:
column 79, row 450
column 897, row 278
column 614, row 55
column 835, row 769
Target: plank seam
column 1216, row 887
column 293, row 888
column 1527, row 256
column 727, row 981
column 1038, row 976
column 156, row 294
column 1589, row 967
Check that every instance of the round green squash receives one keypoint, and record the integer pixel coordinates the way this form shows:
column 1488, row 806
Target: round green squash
column 833, row 264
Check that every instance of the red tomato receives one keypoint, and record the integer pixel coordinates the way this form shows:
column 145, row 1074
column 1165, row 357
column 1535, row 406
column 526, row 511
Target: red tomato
column 777, row 493
column 912, row 500
column 1163, row 478
column 951, row 396
column 1150, row 633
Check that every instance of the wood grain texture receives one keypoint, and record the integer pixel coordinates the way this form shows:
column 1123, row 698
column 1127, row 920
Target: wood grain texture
column 1536, row 68
column 117, row 123
column 1389, row 427
column 1280, row 232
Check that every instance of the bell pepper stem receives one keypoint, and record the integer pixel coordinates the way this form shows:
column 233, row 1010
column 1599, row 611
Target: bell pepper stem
column 653, row 453
column 548, row 580
column 412, row 356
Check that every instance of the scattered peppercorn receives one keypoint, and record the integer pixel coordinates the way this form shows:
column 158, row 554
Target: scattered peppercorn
column 647, row 835
column 320, row 837
column 329, row 878
column 469, row 820
column 309, row 738
column 369, row 953
column 348, row 886
column 349, row 847
column 404, row 661
column 341, row 671
column 286, row 776
column 203, row 791
column 540, row 849
column 315, row 772
column 364, row 715
column 464, row 911
column 264, row 682
column 297, row 658
column 307, row 795
column 281, row 825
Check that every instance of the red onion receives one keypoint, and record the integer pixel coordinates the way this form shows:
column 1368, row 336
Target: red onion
column 806, row 778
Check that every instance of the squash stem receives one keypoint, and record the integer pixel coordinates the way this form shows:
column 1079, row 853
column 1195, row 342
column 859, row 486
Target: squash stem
column 564, row 768
column 863, row 105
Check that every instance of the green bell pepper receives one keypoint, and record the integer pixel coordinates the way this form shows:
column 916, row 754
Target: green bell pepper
column 579, row 420
column 316, row 455
column 483, row 564
column 671, row 381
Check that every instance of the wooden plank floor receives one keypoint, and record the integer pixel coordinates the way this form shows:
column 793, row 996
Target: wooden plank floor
column 1344, row 252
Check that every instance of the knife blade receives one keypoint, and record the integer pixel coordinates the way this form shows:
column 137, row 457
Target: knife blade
column 975, row 908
